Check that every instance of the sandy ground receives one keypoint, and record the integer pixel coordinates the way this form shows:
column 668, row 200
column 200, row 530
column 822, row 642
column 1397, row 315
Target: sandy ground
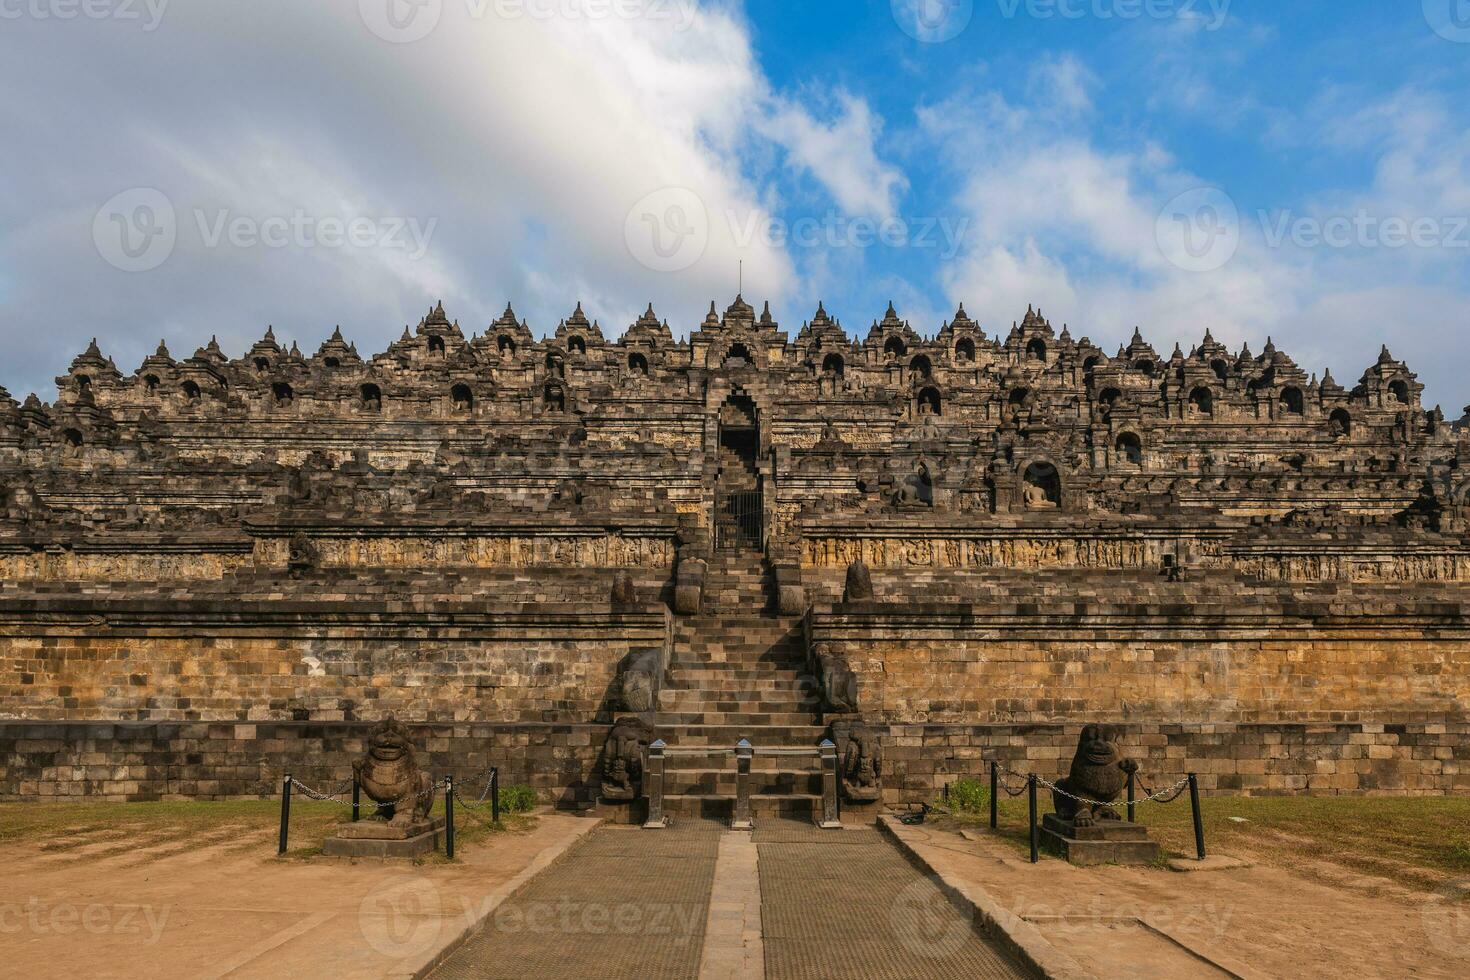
column 222, row 905
column 1261, row 920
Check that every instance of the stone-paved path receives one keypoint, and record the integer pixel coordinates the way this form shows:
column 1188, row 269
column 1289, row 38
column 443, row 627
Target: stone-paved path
column 847, row 905
column 698, row 902
column 626, row 903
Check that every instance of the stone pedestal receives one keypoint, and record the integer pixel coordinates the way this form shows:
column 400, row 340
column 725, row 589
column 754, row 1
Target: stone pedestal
column 1105, row 842
column 861, row 812
column 622, row 812
column 379, row 838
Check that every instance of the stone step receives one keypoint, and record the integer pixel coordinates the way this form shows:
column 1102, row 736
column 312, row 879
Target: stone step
column 715, row 676
column 727, row 736
column 794, row 692
column 721, row 807
column 781, row 699
column 738, row 717
column 716, row 782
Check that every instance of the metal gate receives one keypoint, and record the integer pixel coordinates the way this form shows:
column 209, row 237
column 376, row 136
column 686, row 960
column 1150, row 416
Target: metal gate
column 738, row 518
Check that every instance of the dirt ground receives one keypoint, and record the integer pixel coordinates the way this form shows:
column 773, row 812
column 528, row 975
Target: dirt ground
column 218, row 903
column 1311, row 919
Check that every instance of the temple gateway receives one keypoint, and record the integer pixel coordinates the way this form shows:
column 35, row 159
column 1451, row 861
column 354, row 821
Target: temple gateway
column 545, row 554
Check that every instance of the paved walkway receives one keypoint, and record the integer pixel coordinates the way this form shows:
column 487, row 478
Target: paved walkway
column 698, row 902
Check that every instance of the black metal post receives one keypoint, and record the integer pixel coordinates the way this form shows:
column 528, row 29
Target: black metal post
column 285, row 811
column 449, row 817
column 356, row 798
column 1031, row 794
column 495, row 794
column 1199, row 825
column 1131, row 818
column 994, row 791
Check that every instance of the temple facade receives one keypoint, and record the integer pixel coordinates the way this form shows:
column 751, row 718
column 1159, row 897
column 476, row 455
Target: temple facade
column 935, row 549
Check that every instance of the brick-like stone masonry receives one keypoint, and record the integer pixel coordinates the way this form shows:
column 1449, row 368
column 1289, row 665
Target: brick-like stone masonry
column 216, row 567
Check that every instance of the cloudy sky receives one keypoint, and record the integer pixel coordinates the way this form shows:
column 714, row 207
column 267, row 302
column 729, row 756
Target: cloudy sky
column 180, row 168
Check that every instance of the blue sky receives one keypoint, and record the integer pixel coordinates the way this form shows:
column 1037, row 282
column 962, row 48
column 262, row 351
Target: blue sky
column 1250, row 167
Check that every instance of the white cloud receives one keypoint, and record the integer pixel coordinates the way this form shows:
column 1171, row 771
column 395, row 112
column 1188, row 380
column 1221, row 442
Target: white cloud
column 527, row 140
column 1060, row 221
column 840, row 154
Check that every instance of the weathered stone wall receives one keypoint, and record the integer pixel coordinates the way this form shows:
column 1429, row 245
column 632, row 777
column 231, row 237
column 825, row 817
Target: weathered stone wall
column 1197, row 665
column 197, row 760
column 251, row 661
column 1253, row 760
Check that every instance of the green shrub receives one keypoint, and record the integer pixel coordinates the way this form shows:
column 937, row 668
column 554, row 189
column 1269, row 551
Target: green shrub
column 517, row 799
column 969, row 796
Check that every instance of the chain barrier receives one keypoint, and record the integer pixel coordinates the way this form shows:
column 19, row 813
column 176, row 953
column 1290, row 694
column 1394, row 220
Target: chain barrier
column 1163, row 796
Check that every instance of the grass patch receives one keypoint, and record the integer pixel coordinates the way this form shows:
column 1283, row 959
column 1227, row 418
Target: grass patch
column 1417, row 841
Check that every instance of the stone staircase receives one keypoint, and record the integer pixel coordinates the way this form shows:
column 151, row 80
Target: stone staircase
column 739, row 671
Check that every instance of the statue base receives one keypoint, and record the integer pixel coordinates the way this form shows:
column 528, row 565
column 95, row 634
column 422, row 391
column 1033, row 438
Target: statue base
column 622, row 812
column 381, row 839
column 861, row 811
column 1105, row 842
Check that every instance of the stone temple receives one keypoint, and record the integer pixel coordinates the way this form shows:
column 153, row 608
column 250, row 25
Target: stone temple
column 543, row 554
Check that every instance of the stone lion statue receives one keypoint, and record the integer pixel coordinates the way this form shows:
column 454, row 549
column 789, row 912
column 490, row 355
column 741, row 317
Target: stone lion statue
column 1099, row 773
column 390, row 775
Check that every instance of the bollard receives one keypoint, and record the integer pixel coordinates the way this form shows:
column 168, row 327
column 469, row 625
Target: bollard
column 653, row 786
column 829, row 819
column 285, row 811
column 743, row 753
column 495, row 795
column 449, row 817
column 356, row 797
column 1131, row 797
column 1031, row 798
column 994, row 792
column 1199, row 826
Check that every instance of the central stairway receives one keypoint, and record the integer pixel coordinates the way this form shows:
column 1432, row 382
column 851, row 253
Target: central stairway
column 738, row 671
